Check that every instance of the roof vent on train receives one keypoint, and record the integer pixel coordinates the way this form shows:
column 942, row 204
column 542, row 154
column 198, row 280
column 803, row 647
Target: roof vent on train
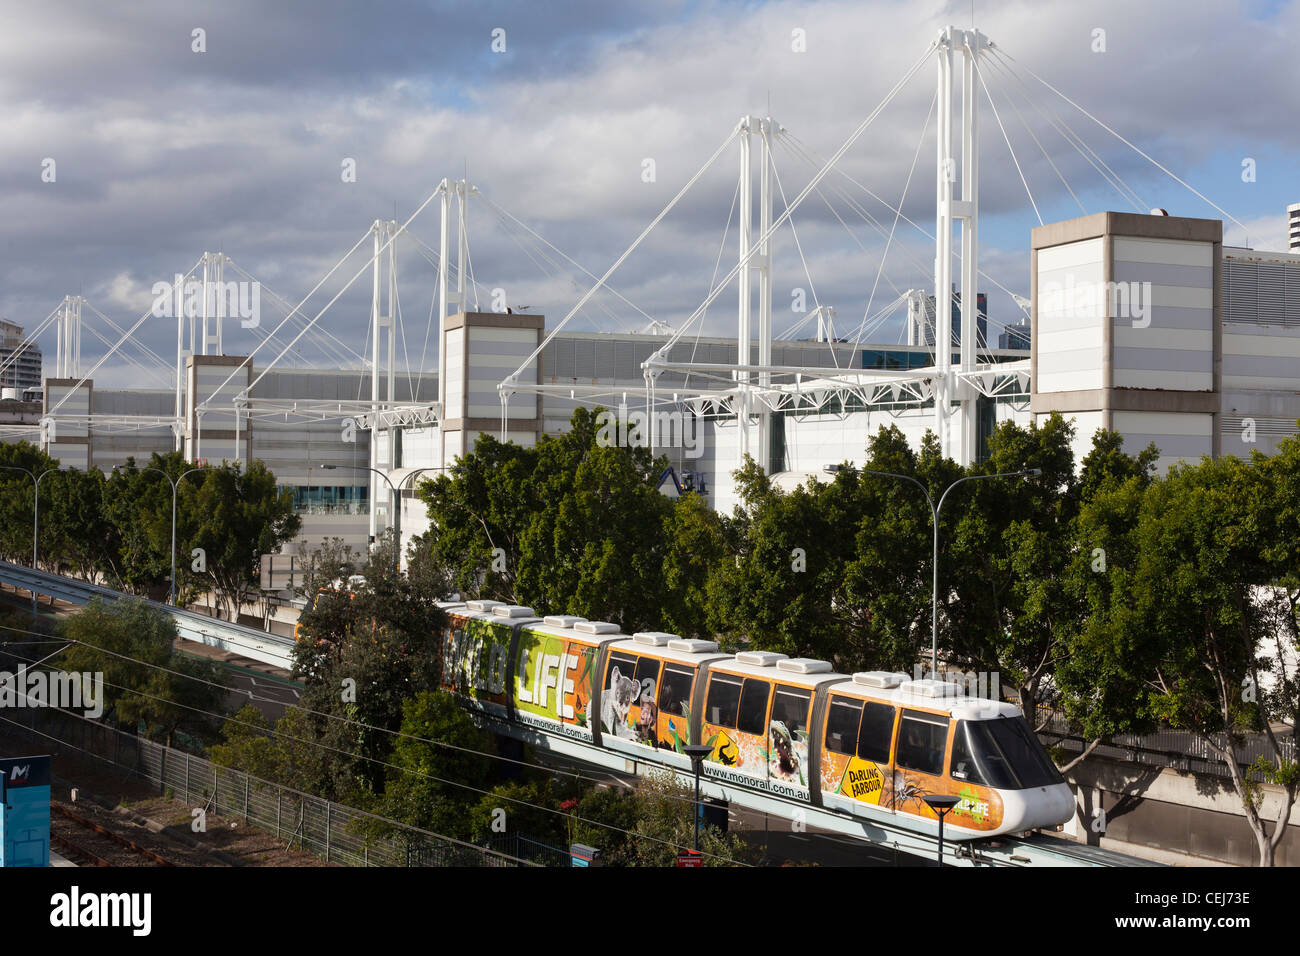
column 803, row 665
column 931, row 688
column 513, row 610
column 692, row 646
column 596, row 627
column 655, row 638
column 483, row 605
column 760, row 658
column 565, row 621
column 879, row 678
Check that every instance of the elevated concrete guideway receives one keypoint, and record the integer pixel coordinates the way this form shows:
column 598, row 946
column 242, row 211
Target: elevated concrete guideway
column 235, row 638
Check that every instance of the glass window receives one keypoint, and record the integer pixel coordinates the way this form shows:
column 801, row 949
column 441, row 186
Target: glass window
column 753, row 707
column 626, row 665
column 842, row 725
column 877, row 732
column 675, row 690
column 647, row 675
column 724, row 699
column 790, row 707
column 922, row 739
column 1011, row 739
column 964, row 766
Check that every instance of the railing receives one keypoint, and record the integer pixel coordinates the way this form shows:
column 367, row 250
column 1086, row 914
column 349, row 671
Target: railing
column 1176, row 749
column 330, row 830
column 524, row 848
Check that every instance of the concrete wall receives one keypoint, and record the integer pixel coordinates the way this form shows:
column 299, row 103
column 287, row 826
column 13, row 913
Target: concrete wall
column 1172, row 811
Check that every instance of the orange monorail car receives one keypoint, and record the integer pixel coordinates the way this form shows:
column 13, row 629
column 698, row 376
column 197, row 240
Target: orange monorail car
column 869, row 745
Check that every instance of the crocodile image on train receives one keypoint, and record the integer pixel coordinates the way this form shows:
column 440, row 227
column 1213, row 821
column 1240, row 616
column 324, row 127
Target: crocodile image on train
column 870, row 745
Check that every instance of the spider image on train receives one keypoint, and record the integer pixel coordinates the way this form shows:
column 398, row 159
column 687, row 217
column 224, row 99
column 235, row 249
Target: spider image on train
column 867, row 746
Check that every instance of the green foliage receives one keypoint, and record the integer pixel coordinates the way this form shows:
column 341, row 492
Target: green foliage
column 175, row 693
column 435, row 787
column 659, row 813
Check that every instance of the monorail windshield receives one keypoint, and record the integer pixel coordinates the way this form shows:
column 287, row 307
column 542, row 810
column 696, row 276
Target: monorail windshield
column 1001, row 753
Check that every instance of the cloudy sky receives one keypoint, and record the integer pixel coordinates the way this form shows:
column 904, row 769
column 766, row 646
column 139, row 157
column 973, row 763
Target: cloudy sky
column 159, row 151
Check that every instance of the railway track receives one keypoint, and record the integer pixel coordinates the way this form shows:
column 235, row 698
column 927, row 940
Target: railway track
column 85, row 839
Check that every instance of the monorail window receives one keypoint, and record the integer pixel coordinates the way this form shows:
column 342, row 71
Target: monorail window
column 1008, row 741
column 675, row 690
column 877, row 732
column 724, row 699
column 790, row 707
column 647, row 675
column 842, row 725
column 922, row 739
column 753, row 707
column 626, row 665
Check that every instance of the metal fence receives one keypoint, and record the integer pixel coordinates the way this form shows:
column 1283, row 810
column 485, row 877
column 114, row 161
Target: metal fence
column 1176, row 749
column 336, row 833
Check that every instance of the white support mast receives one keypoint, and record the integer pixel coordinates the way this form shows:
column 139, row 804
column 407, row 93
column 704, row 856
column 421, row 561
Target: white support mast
column 957, row 429
column 383, row 275
column 67, row 357
column 764, row 263
column 754, row 263
column 743, row 356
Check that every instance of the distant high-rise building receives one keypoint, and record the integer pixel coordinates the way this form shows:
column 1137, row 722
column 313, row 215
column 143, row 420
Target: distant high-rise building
column 1293, row 226
column 920, row 325
column 21, row 364
column 1015, row 336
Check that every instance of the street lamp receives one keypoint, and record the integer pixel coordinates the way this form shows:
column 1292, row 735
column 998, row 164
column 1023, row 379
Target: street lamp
column 697, row 753
column 934, row 516
column 175, row 485
column 941, row 804
column 36, row 512
column 397, row 547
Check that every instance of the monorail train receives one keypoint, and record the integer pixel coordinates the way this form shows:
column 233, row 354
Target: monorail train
column 870, row 745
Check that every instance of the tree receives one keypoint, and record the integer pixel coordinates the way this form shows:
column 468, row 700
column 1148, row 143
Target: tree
column 145, row 680
column 477, row 514
column 594, row 545
column 364, row 652
column 434, row 787
column 329, row 565
column 659, row 812
column 1101, row 670
column 16, row 497
column 1211, row 546
column 233, row 517
column 76, row 535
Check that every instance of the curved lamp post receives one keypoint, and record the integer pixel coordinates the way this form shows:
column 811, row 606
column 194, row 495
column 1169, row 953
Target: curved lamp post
column 934, row 517
column 175, row 485
column 36, row 511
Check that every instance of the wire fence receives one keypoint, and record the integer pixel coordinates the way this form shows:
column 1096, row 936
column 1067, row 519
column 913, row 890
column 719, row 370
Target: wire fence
column 1176, row 749
column 338, row 834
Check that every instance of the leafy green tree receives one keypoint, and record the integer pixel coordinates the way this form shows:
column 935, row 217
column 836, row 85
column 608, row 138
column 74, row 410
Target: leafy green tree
column 477, row 513
column 145, row 680
column 1204, row 588
column 76, row 534
column 364, row 652
column 1101, row 671
column 16, row 497
column 594, row 545
column 696, row 543
column 662, row 813
column 434, row 787
column 234, row 516
column 328, row 565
